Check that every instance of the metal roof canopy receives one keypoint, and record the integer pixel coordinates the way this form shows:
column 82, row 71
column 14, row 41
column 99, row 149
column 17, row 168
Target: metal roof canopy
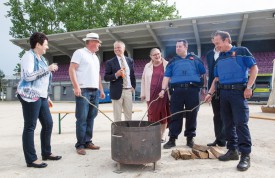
column 243, row 26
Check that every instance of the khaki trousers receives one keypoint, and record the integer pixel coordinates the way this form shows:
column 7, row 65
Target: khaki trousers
column 125, row 102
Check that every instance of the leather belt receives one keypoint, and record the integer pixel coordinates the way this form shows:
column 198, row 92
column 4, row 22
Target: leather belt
column 127, row 88
column 232, row 87
column 90, row 89
column 184, row 85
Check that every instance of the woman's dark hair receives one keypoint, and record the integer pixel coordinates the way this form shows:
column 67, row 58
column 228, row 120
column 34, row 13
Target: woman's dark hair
column 37, row 37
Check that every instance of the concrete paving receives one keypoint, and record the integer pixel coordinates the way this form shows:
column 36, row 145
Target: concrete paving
column 100, row 164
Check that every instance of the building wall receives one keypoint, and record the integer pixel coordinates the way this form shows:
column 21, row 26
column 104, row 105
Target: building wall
column 63, row 91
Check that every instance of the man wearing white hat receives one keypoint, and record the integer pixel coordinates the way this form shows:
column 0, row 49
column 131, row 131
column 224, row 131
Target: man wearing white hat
column 86, row 80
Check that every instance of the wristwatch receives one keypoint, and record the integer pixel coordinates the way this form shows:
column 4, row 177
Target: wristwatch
column 249, row 87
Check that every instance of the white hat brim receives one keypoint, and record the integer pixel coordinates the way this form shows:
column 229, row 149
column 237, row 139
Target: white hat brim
column 92, row 39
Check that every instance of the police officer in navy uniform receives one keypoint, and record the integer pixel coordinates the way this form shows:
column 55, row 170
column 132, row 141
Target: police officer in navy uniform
column 184, row 72
column 235, row 88
column 211, row 58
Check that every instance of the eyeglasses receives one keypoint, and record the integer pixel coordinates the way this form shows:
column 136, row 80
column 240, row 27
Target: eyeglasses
column 155, row 54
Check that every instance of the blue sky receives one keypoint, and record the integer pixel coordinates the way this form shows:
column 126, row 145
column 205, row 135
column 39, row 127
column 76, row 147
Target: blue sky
column 187, row 8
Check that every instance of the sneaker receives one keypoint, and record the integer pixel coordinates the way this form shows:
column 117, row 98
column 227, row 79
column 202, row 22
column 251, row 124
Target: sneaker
column 244, row 163
column 230, row 155
column 171, row 143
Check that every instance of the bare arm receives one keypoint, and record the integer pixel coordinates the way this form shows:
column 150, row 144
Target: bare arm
column 72, row 73
column 211, row 90
column 164, row 85
column 251, row 80
column 102, row 94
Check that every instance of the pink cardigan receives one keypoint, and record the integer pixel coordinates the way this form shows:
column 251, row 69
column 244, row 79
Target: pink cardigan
column 147, row 77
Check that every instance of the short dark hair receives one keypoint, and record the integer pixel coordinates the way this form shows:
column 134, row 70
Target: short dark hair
column 185, row 42
column 37, row 37
column 223, row 35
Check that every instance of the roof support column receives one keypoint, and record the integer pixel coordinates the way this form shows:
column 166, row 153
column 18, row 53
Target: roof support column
column 242, row 30
column 197, row 36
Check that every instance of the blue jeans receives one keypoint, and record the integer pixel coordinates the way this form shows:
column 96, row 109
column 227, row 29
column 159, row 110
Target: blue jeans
column 31, row 112
column 85, row 115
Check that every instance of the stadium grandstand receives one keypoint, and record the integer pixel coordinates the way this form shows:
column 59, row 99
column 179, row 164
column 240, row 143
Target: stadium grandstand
column 254, row 30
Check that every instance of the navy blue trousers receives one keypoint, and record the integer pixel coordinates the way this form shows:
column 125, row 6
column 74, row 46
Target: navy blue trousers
column 184, row 98
column 218, row 122
column 235, row 114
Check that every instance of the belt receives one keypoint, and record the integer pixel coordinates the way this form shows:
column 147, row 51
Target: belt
column 90, row 89
column 232, row 87
column 184, row 85
column 127, row 88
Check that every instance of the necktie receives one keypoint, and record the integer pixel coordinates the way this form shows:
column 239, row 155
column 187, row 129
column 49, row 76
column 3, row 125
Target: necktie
column 123, row 66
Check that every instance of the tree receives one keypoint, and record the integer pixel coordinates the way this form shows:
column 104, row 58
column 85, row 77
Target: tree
column 122, row 12
column 2, row 75
column 83, row 14
column 29, row 16
column 56, row 16
column 17, row 70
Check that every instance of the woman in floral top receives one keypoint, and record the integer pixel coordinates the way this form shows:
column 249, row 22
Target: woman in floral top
column 32, row 91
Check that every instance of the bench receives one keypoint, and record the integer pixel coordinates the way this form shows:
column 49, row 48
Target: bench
column 63, row 113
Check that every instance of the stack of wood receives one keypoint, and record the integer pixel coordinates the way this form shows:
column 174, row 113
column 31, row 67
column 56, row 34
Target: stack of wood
column 198, row 152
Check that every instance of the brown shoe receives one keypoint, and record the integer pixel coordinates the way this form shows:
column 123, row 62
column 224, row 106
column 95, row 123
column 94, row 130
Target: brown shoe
column 81, row 151
column 92, row 146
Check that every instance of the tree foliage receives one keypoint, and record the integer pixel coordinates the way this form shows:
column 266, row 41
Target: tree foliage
column 56, row 16
column 17, row 70
column 29, row 16
column 2, row 75
column 122, row 12
column 83, row 14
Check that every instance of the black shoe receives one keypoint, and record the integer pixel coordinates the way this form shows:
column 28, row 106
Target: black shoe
column 212, row 144
column 190, row 142
column 244, row 163
column 219, row 143
column 44, row 158
column 230, row 155
column 171, row 143
column 41, row 165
